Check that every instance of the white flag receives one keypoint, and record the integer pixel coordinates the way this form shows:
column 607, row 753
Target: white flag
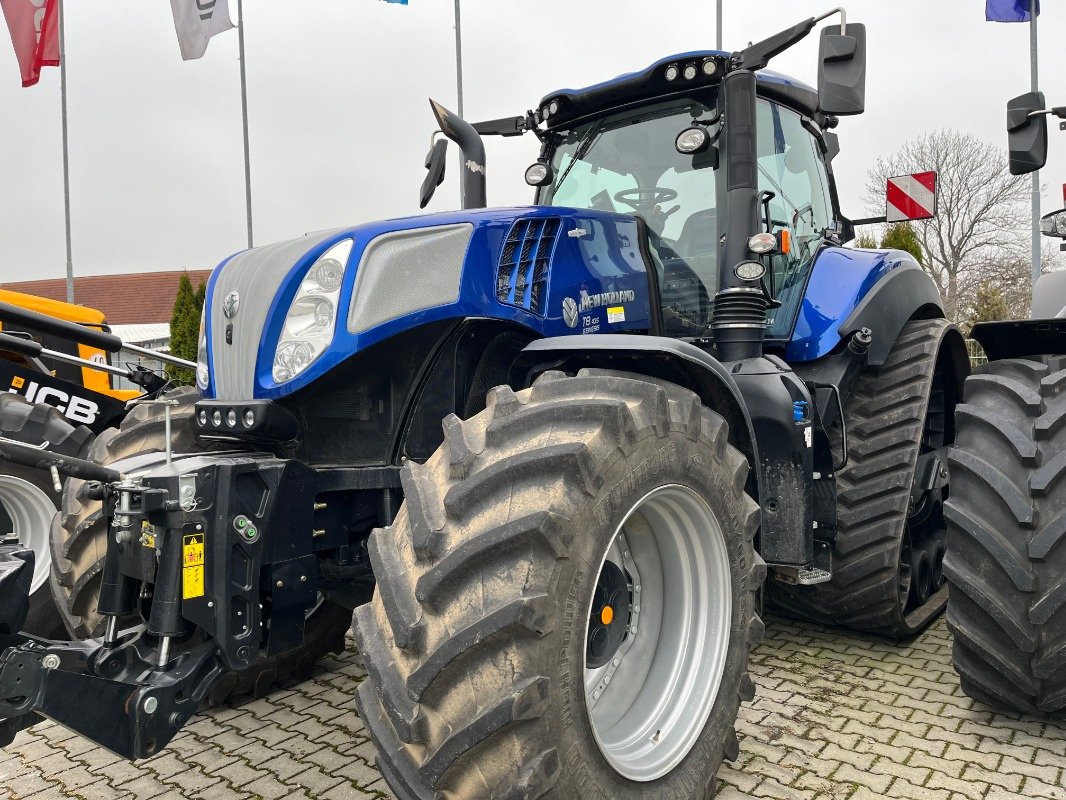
column 197, row 21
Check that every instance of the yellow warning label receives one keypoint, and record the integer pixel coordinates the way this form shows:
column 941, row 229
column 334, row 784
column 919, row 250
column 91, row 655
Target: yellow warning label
column 18, row 382
column 616, row 314
column 192, row 566
column 147, row 534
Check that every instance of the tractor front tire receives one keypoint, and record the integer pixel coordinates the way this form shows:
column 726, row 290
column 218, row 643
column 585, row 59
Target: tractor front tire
column 79, row 542
column 566, row 600
column 1006, row 556
column 29, row 500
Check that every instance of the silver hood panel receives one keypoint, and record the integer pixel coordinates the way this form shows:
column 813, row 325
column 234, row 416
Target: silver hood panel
column 256, row 275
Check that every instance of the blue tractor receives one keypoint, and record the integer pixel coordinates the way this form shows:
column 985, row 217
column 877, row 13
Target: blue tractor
column 555, row 458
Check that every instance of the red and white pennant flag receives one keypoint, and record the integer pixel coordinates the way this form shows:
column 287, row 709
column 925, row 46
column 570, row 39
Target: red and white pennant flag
column 911, row 197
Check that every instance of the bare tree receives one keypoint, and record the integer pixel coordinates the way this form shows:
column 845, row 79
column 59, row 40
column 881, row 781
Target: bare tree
column 981, row 209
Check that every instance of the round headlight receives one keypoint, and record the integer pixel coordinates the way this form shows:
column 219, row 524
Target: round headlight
column 749, row 270
column 202, row 417
column 291, row 359
column 538, row 174
column 231, row 418
column 328, row 274
column 671, row 72
column 545, row 112
column 710, row 66
column 553, row 107
column 692, row 140
column 249, row 418
column 762, row 243
column 216, row 418
column 690, row 72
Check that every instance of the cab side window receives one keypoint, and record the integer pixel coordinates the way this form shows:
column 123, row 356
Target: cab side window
column 791, row 166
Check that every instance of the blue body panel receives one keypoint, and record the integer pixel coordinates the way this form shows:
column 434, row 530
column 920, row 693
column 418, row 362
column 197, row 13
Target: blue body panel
column 604, row 258
column 840, row 278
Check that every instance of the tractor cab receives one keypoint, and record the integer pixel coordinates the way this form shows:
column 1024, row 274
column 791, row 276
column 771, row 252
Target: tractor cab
column 659, row 158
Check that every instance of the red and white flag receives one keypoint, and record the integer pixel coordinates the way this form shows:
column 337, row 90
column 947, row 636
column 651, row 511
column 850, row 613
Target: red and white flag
column 34, row 27
column 196, row 22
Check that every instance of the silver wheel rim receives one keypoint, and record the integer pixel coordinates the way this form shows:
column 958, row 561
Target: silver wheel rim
column 650, row 702
column 31, row 512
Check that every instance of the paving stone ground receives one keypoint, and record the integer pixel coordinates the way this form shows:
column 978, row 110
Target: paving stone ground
column 838, row 717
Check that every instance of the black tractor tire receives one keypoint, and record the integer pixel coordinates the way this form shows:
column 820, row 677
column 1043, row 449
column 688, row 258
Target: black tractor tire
column 1006, row 552
column 886, row 414
column 475, row 640
column 34, row 490
column 79, row 542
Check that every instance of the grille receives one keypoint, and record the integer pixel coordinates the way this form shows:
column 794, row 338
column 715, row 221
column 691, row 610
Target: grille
column 522, row 277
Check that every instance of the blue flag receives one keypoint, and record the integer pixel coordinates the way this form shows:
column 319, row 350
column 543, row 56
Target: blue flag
column 1005, row 10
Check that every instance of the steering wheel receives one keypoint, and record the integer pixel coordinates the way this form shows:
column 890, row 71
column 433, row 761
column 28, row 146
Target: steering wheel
column 638, row 198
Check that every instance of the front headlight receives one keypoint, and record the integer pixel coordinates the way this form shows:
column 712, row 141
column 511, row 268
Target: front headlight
column 202, row 373
column 312, row 317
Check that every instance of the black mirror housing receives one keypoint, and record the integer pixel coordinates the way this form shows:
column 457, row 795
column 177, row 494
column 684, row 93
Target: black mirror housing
column 1026, row 135
column 436, row 160
column 842, row 70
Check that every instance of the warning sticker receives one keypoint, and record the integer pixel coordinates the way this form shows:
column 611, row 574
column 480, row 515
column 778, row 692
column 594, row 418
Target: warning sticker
column 147, row 534
column 192, row 566
column 616, row 313
column 18, row 381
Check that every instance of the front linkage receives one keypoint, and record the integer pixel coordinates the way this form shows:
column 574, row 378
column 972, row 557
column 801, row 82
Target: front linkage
column 188, row 549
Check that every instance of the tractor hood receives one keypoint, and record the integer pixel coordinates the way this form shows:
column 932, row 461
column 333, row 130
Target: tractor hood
column 555, row 271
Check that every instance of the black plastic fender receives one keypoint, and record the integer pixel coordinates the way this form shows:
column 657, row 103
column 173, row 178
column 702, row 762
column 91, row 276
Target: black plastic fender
column 1021, row 338
column 904, row 293
column 655, row 356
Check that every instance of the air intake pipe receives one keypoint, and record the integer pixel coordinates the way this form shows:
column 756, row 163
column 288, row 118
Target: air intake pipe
column 739, row 323
column 463, row 134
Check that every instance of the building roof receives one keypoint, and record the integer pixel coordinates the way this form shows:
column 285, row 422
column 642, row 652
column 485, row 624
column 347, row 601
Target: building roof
column 145, row 297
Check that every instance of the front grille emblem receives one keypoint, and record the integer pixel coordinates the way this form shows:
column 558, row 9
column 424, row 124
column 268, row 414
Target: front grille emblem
column 231, row 304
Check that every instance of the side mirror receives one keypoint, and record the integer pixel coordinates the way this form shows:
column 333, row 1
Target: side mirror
column 1054, row 224
column 435, row 162
column 842, row 70
column 1026, row 133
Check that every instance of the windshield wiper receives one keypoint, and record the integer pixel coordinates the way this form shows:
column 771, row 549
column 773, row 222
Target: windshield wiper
column 582, row 150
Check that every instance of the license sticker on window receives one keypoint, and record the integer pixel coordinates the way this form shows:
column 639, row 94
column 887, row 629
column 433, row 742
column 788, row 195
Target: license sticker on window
column 616, row 314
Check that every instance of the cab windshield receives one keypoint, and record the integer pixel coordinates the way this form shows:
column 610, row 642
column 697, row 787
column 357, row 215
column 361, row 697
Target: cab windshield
column 627, row 162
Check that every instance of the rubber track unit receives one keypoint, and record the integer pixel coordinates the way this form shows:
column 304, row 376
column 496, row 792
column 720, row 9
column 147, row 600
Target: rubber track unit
column 35, row 424
column 885, row 417
column 79, row 542
column 1006, row 559
column 474, row 644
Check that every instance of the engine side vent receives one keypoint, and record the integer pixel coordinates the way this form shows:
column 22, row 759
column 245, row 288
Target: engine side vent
column 522, row 277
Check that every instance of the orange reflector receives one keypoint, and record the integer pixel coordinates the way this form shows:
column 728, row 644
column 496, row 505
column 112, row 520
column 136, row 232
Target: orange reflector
column 784, row 239
column 607, row 615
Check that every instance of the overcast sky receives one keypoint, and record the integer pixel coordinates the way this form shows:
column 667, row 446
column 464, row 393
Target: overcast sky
column 340, row 124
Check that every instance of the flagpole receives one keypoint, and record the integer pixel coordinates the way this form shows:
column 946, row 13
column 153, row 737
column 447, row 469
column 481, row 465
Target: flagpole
column 66, row 155
column 1034, row 68
column 459, row 87
column 244, row 119
column 718, row 30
